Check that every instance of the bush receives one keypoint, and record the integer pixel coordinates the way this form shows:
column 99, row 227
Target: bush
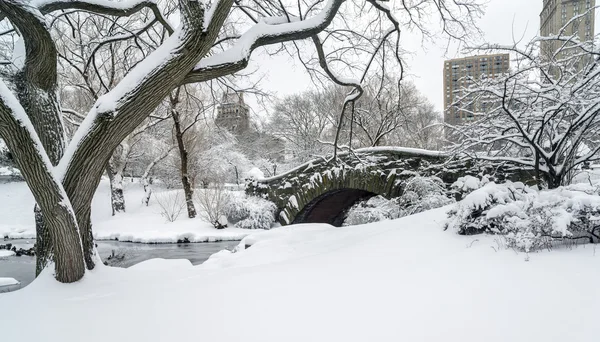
column 171, row 204
column 375, row 209
column 250, row 212
column 212, row 203
column 529, row 219
column 467, row 184
column 421, row 194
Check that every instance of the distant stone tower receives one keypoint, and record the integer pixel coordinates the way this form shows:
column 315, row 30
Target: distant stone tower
column 233, row 113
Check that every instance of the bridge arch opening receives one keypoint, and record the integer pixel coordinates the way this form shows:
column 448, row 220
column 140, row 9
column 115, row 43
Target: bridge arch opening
column 331, row 207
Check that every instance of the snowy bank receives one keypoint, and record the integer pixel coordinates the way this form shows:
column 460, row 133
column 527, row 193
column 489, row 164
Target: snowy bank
column 6, row 253
column 402, row 280
column 8, row 281
column 138, row 224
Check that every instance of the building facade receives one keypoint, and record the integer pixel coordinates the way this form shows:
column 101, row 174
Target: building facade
column 557, row 13
column 233, row 113
column 459, row 74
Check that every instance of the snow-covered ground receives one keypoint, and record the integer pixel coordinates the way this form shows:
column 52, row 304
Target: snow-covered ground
column 402, row 280
column 138, row 224
column 5, row 253
column 8, row 281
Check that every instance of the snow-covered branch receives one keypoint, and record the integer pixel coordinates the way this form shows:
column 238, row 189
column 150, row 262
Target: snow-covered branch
column 268, row 31
column 549, row 124
column 107, row 7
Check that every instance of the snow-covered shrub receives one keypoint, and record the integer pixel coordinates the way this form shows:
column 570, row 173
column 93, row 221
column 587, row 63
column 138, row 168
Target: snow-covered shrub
column 212, row 203
column 467, row 184
column 529, row 219
column 375, row 209
column 254, row 174
column 250, row 212
column 469, row 215
column 421, row 194
column 171, row 204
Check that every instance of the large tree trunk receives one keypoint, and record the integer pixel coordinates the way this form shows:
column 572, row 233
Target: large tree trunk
column 183, row 156
column 60, row 223
column 36, row 88
column 45, row 116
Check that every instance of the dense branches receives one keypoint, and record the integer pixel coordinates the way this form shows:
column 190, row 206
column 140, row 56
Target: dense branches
column 543, row 115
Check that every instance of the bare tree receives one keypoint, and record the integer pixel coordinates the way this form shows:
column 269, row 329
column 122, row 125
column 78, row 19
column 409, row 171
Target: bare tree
column 301, row 121
column 63, row 178
column 543, row 115
column 389, row 112
column 394, row 113
column 187, row 111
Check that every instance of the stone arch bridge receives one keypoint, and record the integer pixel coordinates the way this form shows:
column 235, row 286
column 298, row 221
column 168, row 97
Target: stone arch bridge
column 323, row 190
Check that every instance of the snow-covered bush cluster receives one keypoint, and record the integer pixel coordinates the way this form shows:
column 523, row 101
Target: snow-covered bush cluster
column 423, row 193
column 375, row 209
column 420, row 194
column 467, row 184
column 250, row 212
column 529, row 219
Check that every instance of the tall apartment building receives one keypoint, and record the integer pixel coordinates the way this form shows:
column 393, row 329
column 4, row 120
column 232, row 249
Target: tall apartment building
column 460, row 73
column 233, row 113
column 557, row 13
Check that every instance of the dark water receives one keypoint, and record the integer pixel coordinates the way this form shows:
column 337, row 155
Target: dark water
column 23, row 268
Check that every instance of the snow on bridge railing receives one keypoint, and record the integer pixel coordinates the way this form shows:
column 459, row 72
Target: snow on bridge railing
column 378, row 149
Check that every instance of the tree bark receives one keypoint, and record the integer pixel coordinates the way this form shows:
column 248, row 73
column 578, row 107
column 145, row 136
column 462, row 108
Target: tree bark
column 117, row 196
column 61, row 224
column 41, row 105
column 183, row 156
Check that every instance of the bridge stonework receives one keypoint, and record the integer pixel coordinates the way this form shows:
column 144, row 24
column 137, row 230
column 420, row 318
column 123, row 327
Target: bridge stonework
column 320, row 190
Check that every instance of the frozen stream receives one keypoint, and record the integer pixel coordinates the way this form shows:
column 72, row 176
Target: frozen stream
column 23, row 268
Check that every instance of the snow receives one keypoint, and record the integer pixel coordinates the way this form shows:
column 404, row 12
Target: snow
column 469, row 183
column 5, row 253
column 255, row 173
column 308, row 165
column 8, row 281
column 409, row 150
column 9, row 171
column 403, row 280
column 139, row 224
column 293, row 202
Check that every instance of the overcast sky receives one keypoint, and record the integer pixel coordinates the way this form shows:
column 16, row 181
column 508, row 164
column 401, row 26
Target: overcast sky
column 503, row 22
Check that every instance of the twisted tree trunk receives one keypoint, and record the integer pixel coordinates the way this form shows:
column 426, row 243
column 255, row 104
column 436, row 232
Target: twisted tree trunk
column 36, row 89
column 60, row 224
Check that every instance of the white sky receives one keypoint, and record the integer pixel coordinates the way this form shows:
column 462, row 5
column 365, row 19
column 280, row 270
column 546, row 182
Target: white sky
column 504, row 21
